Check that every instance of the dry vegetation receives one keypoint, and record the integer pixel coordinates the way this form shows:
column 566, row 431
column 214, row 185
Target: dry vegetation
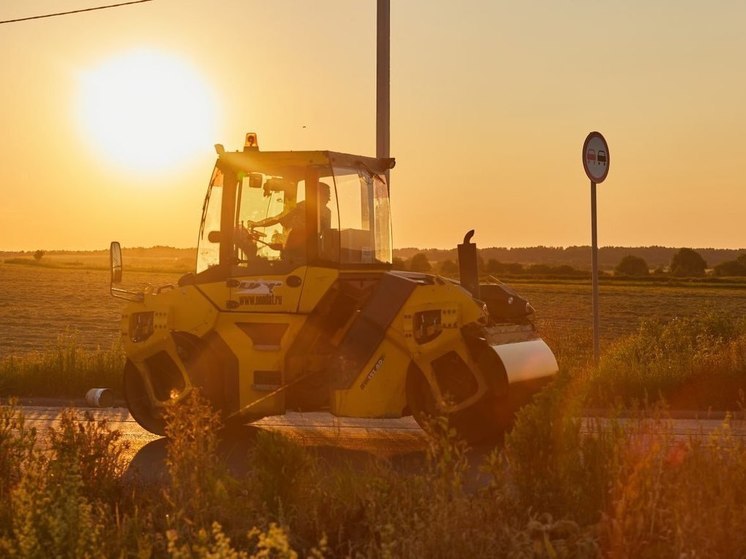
column 613, row 489
column 64, row 370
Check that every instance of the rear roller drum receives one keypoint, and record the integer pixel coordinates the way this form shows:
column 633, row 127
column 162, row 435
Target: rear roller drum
column 485, row 422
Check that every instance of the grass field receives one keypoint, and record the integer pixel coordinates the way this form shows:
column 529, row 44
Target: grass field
column 164, row 259
column 623, row 306
column 38, row 303
column 62, row 320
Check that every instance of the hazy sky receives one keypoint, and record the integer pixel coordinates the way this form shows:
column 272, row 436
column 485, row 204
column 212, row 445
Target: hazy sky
column 108, row 118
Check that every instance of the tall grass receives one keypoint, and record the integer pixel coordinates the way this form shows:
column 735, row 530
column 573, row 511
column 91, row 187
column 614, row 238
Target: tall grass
column 629, row 486
column 692, row 363
column 60, row 501
column 676, row 498
column 558, row 489
column 65, row 370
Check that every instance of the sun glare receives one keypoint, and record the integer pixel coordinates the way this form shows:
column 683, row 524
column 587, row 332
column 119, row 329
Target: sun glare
column 146, row 111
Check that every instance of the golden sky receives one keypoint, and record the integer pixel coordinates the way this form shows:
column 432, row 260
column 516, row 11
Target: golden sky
column 108, row 118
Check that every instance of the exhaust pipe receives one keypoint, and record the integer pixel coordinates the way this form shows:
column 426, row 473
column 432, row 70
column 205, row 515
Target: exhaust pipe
column 467, row 265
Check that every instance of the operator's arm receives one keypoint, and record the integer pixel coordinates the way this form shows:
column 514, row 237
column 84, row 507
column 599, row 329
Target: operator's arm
column 267, row 221
column 288, row 216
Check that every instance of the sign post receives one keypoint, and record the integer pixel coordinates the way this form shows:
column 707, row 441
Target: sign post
column 596, row 165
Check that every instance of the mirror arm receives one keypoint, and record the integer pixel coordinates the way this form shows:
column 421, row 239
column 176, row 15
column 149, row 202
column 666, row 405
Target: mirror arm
column 127, row 295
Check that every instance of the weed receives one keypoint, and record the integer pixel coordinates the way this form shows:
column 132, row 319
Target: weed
column 197, row 481
column 430, row 514
column 558, row 463
column 97, row 451
column 56, row 511
column 17, row 445
column 273, row 544
column 283, row 474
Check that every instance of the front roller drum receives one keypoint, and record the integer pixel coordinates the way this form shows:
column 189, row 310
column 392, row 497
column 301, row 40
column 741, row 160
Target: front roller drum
column 205, row 369
column 138, row 401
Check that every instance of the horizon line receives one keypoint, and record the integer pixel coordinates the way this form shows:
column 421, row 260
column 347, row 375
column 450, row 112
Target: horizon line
column 553, row 247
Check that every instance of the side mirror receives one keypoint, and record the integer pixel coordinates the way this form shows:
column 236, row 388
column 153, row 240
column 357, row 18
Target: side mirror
column 115, row 260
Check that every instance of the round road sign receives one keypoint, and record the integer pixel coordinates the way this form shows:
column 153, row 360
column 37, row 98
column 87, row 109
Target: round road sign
column 596, row 157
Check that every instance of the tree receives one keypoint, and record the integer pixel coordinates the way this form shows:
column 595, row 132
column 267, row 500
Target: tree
column 39, row 254
column 731, row 268
column 632, row 265
column 420, row 263
column 398, row 263
column 494, row 266
column 688, row 262
column 565, row 270
column 539, row 269
column 514, row 268
column 449, row 268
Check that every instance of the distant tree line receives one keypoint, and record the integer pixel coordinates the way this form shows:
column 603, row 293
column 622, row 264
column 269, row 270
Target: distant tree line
column 684, row 262
column 578, row 257
column 531, row 261
column 420, row 263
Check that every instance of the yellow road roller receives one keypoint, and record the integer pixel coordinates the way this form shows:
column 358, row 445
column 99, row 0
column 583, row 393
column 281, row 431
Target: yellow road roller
column 294, row 306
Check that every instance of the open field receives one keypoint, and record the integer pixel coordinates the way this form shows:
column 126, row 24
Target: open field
column 38, row 303
column 166, row 259
column 567, row 305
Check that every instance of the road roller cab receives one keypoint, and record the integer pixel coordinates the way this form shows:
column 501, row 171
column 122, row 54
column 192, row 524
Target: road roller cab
column 294, row 305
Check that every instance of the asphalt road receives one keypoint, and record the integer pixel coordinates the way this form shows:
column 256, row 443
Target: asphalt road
column 381, row 437
column 400, row 441
column 332, row 438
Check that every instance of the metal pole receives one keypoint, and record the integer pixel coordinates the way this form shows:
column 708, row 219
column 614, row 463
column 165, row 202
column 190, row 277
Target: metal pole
column 383, row 51
column 594, row 276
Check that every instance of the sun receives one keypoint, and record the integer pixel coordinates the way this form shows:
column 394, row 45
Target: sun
column 146, row 111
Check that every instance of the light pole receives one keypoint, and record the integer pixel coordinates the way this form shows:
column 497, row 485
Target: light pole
column 383, row 90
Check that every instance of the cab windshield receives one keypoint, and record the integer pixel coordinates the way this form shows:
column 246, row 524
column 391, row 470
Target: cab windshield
column 270, row 230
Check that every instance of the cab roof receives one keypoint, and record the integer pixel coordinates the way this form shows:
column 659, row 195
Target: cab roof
column 294, row 163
